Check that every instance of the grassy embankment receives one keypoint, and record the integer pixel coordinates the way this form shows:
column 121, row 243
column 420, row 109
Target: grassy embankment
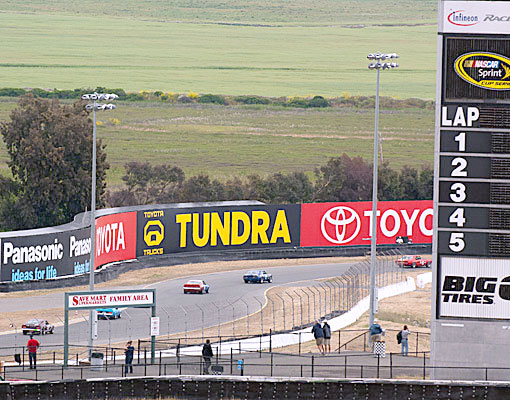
column 262, row 47
column 258, row 47
column 224, row 142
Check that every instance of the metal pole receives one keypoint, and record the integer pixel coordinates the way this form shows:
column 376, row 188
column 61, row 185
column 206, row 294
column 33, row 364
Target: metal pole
column 373, row 243
column 261, row 316
column 92, row 313
column 247, row 316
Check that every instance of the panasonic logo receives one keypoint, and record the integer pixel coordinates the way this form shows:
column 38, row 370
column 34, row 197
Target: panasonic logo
column 79, row 247
column 31, row 254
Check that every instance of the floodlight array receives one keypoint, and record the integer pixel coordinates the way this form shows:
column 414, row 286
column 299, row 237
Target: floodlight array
column 378, row 57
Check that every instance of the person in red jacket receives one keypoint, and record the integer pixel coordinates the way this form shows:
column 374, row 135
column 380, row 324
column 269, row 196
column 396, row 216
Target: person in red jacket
column 32, row 347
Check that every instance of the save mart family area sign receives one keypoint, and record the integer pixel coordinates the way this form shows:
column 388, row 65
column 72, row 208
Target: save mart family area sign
column 142, row 298
column 110, row 299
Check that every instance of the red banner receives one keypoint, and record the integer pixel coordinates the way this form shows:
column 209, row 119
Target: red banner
column 115, row 238
column 349, row 224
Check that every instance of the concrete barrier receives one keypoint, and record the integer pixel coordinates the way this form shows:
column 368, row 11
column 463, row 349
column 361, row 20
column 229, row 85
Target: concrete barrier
column 221, row 387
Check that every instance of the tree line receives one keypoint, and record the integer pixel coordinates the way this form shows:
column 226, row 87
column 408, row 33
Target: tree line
column 50, row 157
column 340, row 179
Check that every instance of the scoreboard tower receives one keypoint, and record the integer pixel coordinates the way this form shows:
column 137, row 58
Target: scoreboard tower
column 471, row 285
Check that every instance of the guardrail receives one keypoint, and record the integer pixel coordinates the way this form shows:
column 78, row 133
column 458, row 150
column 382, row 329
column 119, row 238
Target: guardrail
column 417, row 340
column 348, row 366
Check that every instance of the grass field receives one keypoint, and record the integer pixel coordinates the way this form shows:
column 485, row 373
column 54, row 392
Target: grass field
column 228, row 141
column 272, row 48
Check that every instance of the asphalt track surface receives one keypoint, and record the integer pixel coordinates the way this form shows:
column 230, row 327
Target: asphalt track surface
column 228, row 299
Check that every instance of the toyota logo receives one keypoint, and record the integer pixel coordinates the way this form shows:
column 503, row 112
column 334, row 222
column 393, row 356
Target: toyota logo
column 340, row 218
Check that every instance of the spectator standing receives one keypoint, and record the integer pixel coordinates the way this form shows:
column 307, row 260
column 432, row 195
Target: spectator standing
column 375, row 333
column 129, row 352
column 405, row 343
column 32, row 346
column 318, row 334
column 207, row 353
column 327, row 336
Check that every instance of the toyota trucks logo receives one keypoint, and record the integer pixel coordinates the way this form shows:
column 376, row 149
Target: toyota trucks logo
column 340, row 224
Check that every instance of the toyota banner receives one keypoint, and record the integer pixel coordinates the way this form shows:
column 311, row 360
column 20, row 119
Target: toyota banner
column 349, row 224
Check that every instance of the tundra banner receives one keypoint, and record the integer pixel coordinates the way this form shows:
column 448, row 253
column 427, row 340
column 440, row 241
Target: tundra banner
column 173, row 230
column 349, row 224
column 41, row 257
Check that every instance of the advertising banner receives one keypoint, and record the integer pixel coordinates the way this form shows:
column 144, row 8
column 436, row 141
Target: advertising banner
column 115, row 238
column 349, row 224
column 476, row 17
column 173, row 230
column 110, row 299
column 477, row 69
column 474, row 288
column 40, row 257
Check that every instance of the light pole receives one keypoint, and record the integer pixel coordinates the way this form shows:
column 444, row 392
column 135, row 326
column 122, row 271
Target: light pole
column 94, row 106
column 377, row 64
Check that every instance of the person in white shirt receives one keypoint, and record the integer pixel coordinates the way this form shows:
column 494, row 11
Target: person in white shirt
column 405, row 344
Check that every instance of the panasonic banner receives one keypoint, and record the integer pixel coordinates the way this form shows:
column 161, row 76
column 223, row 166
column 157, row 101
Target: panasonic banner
column 47, row 256
column 471, row 281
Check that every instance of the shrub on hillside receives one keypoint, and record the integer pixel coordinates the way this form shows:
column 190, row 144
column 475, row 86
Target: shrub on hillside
column 12, row 92
column 252, row 100
column 212, row 98
column 318, row 101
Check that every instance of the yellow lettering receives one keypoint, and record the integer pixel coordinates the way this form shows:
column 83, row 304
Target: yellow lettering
column 237, row 217
column 260, row 224
column 197, row 240
column 221, row 229
column 183, row 219
column 281, row 228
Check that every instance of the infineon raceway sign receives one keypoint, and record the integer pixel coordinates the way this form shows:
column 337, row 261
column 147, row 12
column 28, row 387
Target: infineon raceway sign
column 110, row 299
column 349, row 224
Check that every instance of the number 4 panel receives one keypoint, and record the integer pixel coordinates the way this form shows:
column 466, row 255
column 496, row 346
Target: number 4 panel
column 474, row 217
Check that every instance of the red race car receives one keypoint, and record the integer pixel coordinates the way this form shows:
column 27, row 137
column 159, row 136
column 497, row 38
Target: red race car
column 413, row 261
column 196, row 286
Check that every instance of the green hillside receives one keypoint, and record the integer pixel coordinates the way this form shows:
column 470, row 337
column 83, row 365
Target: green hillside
column 271, row 48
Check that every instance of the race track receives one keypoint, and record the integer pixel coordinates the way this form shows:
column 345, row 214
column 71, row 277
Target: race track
column 229, row 298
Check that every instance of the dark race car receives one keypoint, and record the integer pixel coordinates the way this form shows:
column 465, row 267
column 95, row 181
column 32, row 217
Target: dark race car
column 257, row 277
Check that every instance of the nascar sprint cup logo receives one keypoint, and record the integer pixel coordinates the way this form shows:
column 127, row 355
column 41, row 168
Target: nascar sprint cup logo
column 340, row 224
column 485, row 70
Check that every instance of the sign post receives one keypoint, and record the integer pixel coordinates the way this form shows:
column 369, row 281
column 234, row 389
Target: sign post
column 109, row 299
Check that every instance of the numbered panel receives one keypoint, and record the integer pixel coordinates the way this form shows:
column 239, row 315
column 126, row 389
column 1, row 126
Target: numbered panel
column 465, row 192
column 474, row 142
column 464, row 217
column 474, row 167
column 470, row 167
column 463, row 243
column 474, row 244
column 474, row 217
